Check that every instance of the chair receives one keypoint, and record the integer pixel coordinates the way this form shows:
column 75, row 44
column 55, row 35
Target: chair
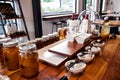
column 56, row 25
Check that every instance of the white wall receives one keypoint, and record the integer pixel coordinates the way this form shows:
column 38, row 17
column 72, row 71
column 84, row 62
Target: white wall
column 28, row 14
column 113, row 5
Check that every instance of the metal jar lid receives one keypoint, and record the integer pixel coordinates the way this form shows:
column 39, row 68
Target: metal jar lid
column 4, row 40
column 45, row 37
column 27, row 48
column 11, row 43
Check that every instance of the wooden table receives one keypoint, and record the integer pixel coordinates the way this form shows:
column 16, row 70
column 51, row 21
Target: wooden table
column 112, row 23
column 103, row 67
column 111, row 15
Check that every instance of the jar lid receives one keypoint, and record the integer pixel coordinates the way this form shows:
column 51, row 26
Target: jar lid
column 11, row 43
column 39, row 39
column 50, row 35
column 45, row 37
column 4, row 40
column 28, row 47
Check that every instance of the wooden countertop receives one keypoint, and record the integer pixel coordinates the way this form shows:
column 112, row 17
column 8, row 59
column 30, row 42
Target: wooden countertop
column 103, row 67
column 112, row 23
column 111, row 15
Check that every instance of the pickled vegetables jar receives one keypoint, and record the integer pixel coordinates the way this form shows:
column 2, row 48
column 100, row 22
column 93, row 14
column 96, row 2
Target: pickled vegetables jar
column 10, row 52
column 28, row 59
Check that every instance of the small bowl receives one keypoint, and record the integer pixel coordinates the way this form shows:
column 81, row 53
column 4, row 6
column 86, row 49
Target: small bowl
column 86, row 58
column 98, row 43
column 95, row 50
column 77, row 67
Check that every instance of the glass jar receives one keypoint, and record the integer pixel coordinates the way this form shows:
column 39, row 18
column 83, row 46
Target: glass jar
column 28, row 60
column 61, row 33
column 105, row 31
column 39, row 43
column 51, row 38
column 1, row 47
column 46, row 40
column 56, row 36
column 10, row 52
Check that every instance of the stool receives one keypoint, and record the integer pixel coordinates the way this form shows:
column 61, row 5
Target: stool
column 64, row 23
column 56, row 24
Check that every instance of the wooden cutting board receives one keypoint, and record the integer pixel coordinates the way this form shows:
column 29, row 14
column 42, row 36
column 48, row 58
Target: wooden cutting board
column 66, row 48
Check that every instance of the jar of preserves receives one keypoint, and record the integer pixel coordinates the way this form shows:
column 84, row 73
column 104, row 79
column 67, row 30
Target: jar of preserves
column 56, row 36
column 61, row 33
column 39, row 43
column 1, row 47
column 10, row 52
column 51, row 38
column 46, row 40
column 105, row 31
column 28, row 59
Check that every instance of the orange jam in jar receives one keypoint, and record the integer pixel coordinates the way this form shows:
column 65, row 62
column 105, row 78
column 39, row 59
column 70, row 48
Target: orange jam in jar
column 10, row 52
column 28, row 60
column 1, row 48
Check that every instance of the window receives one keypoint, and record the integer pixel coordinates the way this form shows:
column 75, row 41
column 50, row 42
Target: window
column 56, row 7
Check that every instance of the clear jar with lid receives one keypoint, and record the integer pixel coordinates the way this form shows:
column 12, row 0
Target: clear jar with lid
column 46, row 40
column 56, row 36
column 51, row 38
column 61, row 33
column 105, row 31
column 28, row 59
column 10, row 52
column 39, row 43
column 1, row 47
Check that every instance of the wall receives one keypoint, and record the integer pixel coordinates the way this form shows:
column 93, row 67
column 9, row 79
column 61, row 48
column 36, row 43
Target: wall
column 28, row 14
column 113, row 5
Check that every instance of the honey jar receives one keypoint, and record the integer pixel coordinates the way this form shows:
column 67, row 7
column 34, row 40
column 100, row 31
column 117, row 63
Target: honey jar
column 10, row 52
column 28, row 59
column 61, row 33
column 1, row 47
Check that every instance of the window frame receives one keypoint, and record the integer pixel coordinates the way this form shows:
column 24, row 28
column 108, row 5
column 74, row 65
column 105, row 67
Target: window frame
column 60, row 13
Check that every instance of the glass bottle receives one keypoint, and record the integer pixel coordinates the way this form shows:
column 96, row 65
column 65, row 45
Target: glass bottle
column 10, row 52
column 105, row 31
column 28, row 60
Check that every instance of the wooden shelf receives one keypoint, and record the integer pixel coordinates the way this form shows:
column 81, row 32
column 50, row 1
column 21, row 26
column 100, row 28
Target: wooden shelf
column 17, row 17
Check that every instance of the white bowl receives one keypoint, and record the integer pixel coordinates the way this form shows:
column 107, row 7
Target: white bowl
column 99, row 44
column 95, row 50
column 77, row 67
column 86, row 58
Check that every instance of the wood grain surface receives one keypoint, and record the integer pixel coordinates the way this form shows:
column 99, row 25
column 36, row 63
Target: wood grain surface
column 104, row 67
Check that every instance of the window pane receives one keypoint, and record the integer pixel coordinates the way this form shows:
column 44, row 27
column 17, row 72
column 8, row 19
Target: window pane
column 53, row 7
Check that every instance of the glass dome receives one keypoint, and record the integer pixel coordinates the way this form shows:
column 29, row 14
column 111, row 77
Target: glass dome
column 92, row 16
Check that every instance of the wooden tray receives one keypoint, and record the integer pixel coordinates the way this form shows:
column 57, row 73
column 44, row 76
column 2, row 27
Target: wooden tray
column 66, row 48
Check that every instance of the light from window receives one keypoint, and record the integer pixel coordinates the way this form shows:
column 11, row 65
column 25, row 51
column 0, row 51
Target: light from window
column 54, row 7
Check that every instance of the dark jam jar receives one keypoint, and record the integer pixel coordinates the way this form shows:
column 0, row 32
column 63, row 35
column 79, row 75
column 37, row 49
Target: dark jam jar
column 56, row 36
column 39, row 43
column 51, row 38
column 10, row 52
column 46, row 40
column 28, row 59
